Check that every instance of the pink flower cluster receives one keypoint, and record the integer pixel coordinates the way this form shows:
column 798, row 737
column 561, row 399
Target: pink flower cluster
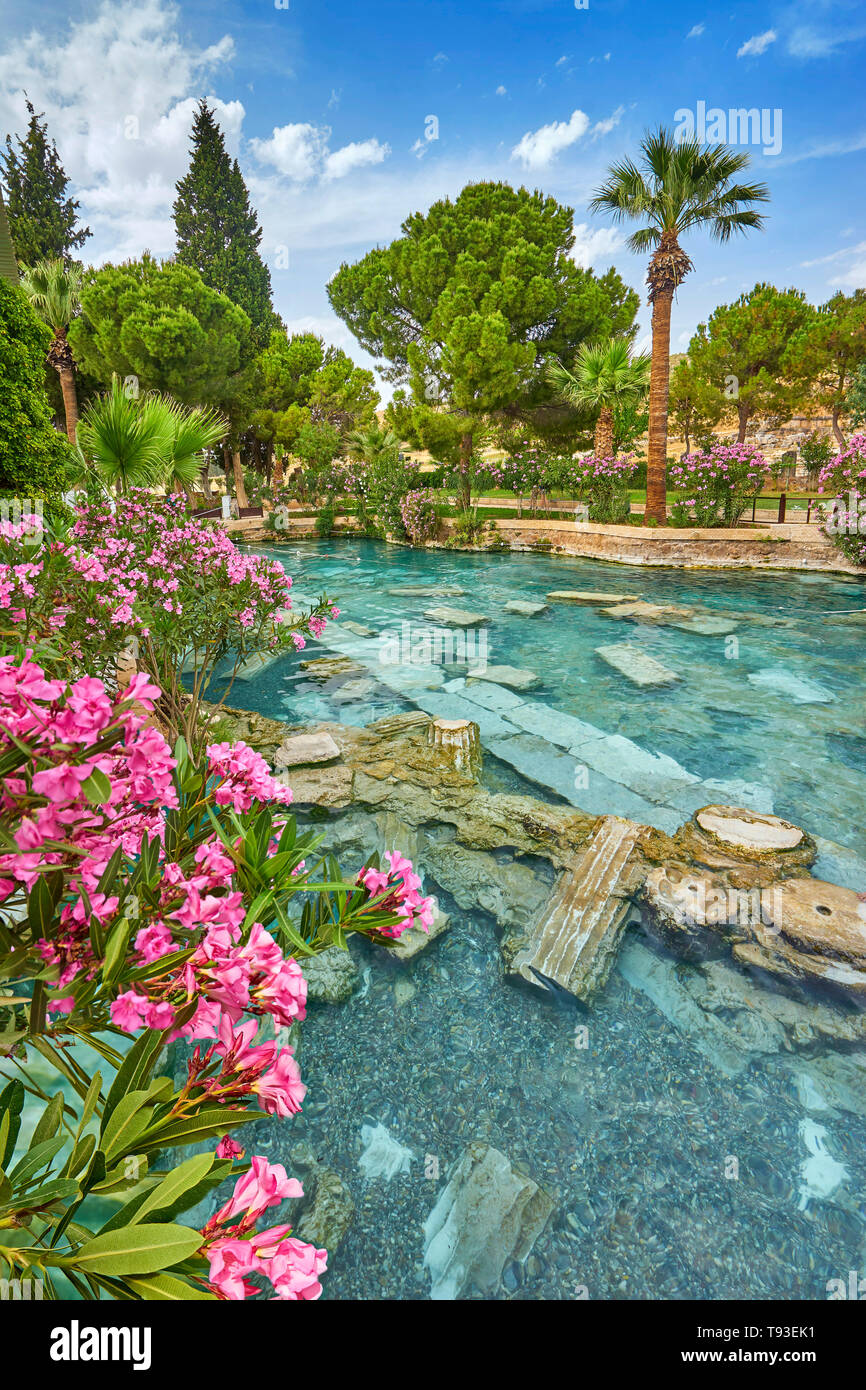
column 164, row 562
column 397, row 891
column 244, row 777
column 235, row 1250
column 844, row 478
column 718, row 483
column 46, row 801
column 419, row 516
column 846, row 471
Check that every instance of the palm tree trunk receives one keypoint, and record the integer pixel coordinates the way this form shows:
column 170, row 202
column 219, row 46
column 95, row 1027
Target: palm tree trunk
column 604, row 433
column 660, row 372
column 70, row 400
column 61, row 359
column 240, row 489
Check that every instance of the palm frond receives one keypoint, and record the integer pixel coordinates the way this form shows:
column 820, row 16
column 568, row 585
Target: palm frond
column 54, row 290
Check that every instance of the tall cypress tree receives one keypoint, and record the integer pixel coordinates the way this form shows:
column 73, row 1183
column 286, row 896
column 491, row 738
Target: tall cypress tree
column 42, row 219
column 218, row 233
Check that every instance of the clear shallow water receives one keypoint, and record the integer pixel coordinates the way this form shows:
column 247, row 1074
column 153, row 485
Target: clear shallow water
column 793, row 740
column 676, row 1172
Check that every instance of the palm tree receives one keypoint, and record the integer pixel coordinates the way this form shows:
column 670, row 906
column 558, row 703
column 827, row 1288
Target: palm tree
column 681, row 185
column 54, row 290
column 194, row 429
column 152, row 442
column 605, row 376
column 127, row 441
column 373, row 444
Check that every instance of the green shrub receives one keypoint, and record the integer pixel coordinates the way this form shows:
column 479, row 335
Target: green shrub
column 34, row 457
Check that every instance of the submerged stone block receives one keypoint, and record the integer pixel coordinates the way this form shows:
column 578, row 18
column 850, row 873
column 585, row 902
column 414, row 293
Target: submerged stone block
column 513, row 676
column 636, row 664
column 525, row 608
column 330, row 976
column 588, row 596
column 455, row 617
column 797, row 688
column 305, row 750
column 488, row 1215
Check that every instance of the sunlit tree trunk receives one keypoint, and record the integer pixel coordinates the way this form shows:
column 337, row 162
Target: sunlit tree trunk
column 240, row 487
column 660, row 371
column 604, row 433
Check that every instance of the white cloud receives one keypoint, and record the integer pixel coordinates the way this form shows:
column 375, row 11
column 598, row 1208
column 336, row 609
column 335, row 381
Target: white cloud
column 300, row 152
column 808, row 42
column 606, row 126
column 696, row 31
column 757, row 44
column 297, row 151
column 828, row 150
column 354, row 156
column 859, row 249
column 538, row 148
column 117, row 89
column 501, row 91
column 592, row 244
column 326, row 326
column 560, row 62
column 854, row 278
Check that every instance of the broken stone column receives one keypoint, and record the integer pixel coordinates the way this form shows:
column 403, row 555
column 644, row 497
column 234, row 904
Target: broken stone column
column 488, row 1215
column 722, row 837
column 574, row 940
column 458, row 742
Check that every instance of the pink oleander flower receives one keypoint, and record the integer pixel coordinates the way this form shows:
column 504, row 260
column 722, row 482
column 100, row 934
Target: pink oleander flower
column 229, row 1148
column 128, row 1011
column 230, row 1262
column 280, row 1090
column 265, row 1185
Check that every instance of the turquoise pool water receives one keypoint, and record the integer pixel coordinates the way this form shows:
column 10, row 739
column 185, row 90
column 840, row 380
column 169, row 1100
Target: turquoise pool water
column 690, row 1150
column 772, row 714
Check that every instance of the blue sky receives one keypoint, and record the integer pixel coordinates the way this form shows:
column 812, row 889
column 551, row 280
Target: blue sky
column 332, row 109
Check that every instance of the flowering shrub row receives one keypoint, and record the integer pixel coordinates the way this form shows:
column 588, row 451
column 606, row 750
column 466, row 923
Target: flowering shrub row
column 842, row 481
column 419, row 515
column 715, row 485
column 148, row 580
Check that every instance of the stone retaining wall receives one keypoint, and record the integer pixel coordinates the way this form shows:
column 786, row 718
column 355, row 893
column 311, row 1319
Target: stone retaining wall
column 788, row 547
column 792, row 546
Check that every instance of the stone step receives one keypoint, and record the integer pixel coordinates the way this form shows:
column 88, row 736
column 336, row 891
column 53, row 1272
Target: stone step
column 574, row 940
column 588, row 596
column 636, row 664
